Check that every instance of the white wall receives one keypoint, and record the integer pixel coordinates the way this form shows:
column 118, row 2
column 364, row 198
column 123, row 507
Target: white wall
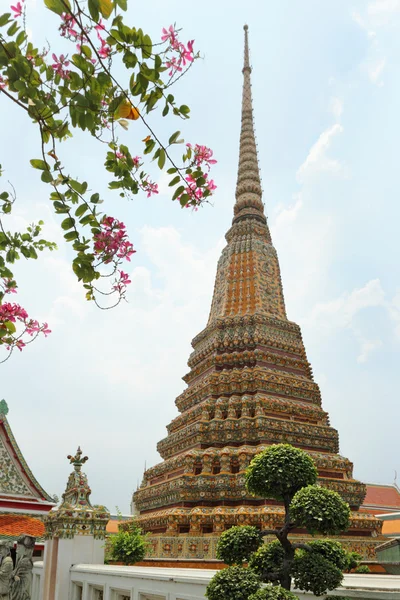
column 104, row 582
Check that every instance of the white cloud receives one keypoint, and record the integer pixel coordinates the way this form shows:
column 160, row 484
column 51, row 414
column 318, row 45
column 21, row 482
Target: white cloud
column 337, row 108
column 368, row 346
column 340, row 312
column 374, row 70
column 381, row 11
column 317, row 160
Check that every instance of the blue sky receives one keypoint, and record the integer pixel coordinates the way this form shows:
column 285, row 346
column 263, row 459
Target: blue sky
column 326, row 95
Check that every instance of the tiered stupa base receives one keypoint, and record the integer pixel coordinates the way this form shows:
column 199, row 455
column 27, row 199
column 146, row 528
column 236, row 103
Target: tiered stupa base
column 183, row 538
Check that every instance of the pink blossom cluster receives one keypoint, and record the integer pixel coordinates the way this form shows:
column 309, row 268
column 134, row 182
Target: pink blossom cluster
column 202, row 154
column 121, row 283
column 13, row 313
column 59, row 66
column 18, row 9
column 184, row 54
column 195, row 192
column 149, row 187
column 3, row 83
column 104, row 50
column 67, row 27
column 111, row 242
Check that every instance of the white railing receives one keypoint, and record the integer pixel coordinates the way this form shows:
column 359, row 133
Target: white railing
column 104, row 582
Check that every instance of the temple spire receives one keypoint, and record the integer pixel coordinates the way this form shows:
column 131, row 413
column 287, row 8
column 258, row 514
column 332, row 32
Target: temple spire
column 248, row 187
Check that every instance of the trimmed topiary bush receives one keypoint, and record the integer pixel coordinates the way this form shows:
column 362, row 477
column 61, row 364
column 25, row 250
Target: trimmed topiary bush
column 314, row 573
column 237, row 544
column 320, row 510
column 332, row 551
column 268, row 559
column 280, row 471
column 233, row 583
column 273, row 592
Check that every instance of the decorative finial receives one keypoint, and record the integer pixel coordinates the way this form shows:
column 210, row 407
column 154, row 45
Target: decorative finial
column 248, row 188
column 3, row 407
column 76, row 460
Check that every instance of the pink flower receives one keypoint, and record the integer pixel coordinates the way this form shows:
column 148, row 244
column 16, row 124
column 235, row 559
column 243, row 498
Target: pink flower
column 122, row 282
column 3, row 83
column 170, row 35
column 99, row 27
column 150, row 187
column 202, row 154
column 136, row 161
column 187, row 53
column 111, row 242
column 105, row 50
column 67, row 27
column 17, row 9
column 19, row 344
column 12, row 312
column 59, row 66
column 174, row 64
column 119, row 155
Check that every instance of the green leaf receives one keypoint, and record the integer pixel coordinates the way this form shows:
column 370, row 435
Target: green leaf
column 174, row 181
column 93, row 6
column 12, row 29
column 161, row 159
column 10, row 327
column 39, row 164
column 81, row 210
column 68, row 223
column 58, row 6
column 178, row 192
column 46, row 177
column 174, row 137
column 122, row 4
column 4, row 19
column 184, row 109
column 71, row 235
column 105, row 7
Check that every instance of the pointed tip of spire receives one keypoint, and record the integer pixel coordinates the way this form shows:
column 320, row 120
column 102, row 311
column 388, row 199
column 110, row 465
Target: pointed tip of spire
column 245, row 27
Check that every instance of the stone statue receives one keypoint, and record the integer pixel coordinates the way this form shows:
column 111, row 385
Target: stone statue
column 6, row 567
column 22, row 574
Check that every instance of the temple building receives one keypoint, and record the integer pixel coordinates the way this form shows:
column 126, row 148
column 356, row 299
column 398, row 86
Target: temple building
column 249, row 385
column 23, row 502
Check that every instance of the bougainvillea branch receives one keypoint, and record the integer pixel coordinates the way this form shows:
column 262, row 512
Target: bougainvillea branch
column 82, row 88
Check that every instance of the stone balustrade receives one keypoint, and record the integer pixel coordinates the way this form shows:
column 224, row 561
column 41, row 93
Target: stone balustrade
column 105, row 582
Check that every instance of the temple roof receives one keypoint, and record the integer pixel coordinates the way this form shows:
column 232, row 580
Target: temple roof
column 13, row 525
column 19, row 489
column 382, row 498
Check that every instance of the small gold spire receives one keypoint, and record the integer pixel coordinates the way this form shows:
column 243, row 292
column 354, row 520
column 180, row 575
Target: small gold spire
column 248, row 187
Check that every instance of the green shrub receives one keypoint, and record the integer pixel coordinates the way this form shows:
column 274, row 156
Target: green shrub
column 314, row 573
column 353, row 560
column 320, row 510
column 267, row 559
column 362, row 569
column 233, row 583
column 129, row 545
column 273, row 592
column 237, row 544
column 281, row 470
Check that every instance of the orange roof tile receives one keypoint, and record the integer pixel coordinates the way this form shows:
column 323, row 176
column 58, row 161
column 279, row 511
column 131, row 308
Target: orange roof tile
column 14, row 525
column 382, row 496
